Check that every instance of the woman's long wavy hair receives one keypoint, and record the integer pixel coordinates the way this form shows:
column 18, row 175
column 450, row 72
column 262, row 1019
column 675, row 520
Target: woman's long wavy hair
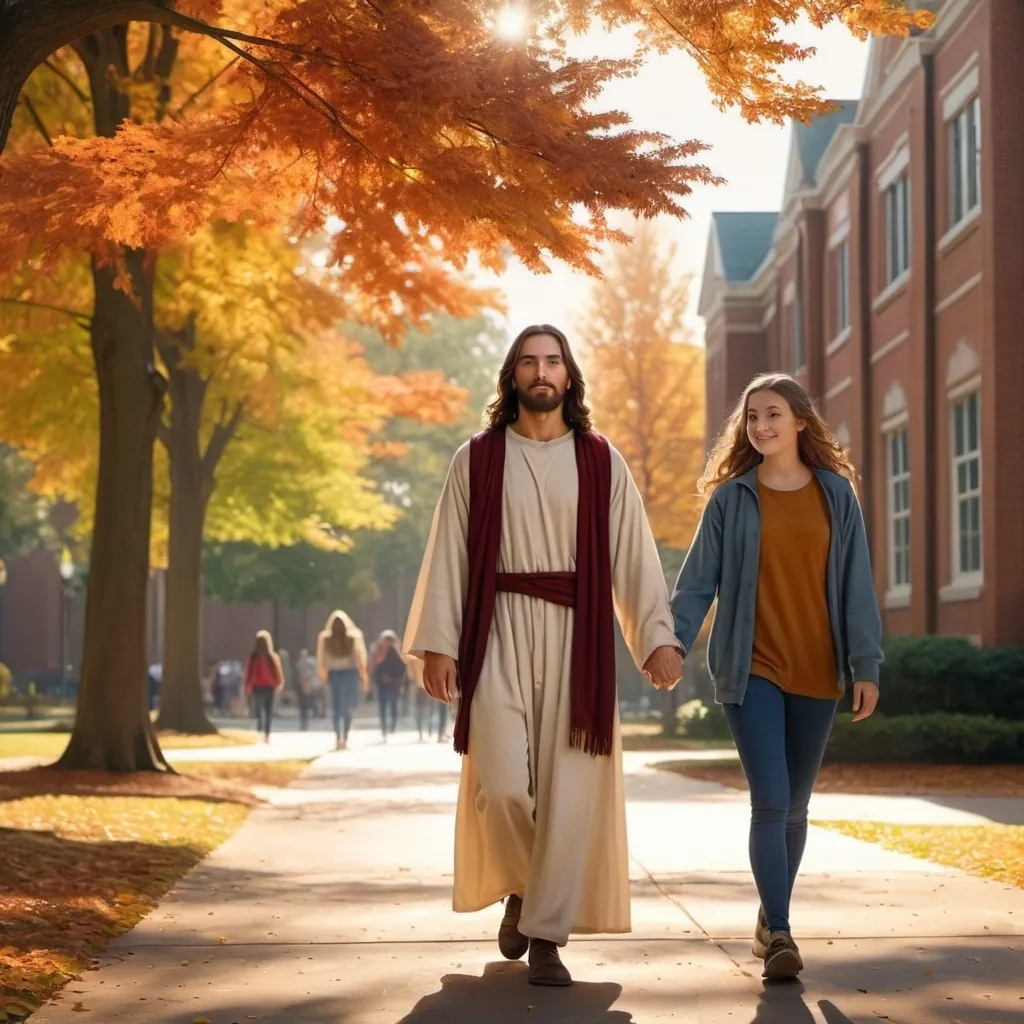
column 504, row 410
column 341, row 636
column 733, row 454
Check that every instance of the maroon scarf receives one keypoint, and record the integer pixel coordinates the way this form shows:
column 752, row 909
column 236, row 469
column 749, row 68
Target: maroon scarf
column 592, row 710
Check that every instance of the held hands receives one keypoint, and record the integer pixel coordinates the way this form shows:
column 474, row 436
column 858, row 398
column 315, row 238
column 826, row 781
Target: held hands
column 664, row 667
column 439, row 676
column 865, row 700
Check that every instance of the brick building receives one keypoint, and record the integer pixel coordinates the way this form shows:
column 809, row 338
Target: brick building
column 891, row 283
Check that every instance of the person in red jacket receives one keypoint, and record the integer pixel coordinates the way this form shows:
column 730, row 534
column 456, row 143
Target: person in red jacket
column 263, row 678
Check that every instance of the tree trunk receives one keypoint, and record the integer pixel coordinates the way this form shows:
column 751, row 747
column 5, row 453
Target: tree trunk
column 181, row 701
column 669, row 704
column 31, row 30
column 112, row 726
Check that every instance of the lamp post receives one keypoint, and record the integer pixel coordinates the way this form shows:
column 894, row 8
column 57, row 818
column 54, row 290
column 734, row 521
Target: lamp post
column 67, row 573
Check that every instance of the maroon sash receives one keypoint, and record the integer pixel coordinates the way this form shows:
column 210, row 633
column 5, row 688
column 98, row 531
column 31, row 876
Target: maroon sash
column 589, row 589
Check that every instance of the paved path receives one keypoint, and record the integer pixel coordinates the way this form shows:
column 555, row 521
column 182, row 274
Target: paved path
column 331, row 906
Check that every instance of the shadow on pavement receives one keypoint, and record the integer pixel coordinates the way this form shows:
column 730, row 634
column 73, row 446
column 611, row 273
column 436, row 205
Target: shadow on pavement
column 784, row 1003
column 502, row 993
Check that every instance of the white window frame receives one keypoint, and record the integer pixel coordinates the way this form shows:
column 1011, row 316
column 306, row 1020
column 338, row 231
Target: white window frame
column 971, row 576
column 897, row 235
column 898, row 479
column 841, row 277
column 964, row 147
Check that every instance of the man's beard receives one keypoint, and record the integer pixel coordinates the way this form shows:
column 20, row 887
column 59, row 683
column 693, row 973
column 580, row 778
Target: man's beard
column 543, row 400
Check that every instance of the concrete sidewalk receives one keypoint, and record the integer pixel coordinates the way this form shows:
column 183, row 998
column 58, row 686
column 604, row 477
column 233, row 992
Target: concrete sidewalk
column 332, row 905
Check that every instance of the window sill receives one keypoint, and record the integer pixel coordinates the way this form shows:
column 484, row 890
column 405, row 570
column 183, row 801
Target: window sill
column 967, row 588
column 896, row 597
column 890, row 292
column 839, row 340
column 959, row 231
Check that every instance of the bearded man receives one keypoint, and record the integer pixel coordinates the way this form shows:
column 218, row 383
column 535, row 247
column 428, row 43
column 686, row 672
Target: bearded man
column 539, row 538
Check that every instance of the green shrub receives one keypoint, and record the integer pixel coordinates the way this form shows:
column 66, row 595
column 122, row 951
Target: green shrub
column 922, row 674
column 938, row 737
column 6, row 682
column 700, row 721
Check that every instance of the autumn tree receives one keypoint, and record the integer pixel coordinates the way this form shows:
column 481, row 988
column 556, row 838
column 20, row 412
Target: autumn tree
column 645, row 376
column 645, row 379
column 426, row 137
column 267, row 427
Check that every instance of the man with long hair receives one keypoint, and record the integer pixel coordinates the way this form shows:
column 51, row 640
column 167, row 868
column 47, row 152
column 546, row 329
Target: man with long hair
column 539, row 537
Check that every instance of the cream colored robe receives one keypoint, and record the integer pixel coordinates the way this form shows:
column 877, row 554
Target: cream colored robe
column 535, row 816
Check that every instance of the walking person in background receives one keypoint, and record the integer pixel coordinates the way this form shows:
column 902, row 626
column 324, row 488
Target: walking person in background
column 389, row 675
column 263, row 678
column 341, row 662
column 782, row 545
column 305, row 685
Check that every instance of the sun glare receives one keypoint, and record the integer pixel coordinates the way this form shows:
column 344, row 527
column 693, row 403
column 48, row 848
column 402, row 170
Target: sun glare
column 511, row 23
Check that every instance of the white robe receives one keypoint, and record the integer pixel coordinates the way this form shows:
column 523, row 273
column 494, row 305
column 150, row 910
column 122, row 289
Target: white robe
column 535, row 816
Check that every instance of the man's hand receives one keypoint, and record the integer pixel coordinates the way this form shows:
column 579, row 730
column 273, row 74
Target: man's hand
column 664, row 668
column 439, row 676
column 865, row 700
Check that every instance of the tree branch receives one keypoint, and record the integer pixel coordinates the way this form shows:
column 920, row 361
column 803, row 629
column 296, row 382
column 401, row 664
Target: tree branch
column 163, row 435
column 36, row 119
column 219, row 440
column 84, row 319
column 206, row 85
column 69, row 82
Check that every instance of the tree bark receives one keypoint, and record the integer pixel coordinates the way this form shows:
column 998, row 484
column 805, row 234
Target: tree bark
column 181, row 701
column 112, row 728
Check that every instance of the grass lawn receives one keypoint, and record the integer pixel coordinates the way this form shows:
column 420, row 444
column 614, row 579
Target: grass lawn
column 994, row 851
column 46, row 743
column 86, row 855
column 899, row 779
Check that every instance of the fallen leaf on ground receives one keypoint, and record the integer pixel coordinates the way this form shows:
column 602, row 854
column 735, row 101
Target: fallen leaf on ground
column 902, row 778
column 992, row 851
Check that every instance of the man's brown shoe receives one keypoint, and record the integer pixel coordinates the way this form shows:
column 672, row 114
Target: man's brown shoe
column 512, row 943
column 546, row 967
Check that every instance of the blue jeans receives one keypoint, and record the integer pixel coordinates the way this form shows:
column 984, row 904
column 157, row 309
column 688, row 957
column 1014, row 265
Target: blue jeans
column 344, row 684
column 781, row 739
column 387, row 698
column 263, row 704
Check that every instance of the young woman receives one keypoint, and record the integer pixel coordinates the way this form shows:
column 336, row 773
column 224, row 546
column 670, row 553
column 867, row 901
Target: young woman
column 389, row 676
column 341, row 662
column 263, row 678
column 781, row 544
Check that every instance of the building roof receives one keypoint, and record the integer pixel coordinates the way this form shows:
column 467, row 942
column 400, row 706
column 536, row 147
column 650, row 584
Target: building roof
column 743, row 242
column 812, row 139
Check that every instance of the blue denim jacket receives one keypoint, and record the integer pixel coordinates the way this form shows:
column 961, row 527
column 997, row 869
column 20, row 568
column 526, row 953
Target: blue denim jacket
column 722, row 562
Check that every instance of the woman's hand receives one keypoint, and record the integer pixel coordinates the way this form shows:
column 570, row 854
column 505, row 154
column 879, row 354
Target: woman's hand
column 865, row 700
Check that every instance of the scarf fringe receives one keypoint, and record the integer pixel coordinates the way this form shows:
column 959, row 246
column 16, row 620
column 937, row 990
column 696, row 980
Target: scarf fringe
column 589, row 742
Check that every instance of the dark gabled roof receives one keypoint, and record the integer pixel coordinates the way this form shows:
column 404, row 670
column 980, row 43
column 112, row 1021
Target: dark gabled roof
column 812, row 139
column 743, row 241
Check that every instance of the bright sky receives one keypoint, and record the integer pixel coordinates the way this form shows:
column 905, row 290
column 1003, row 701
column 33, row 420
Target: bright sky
column 670, row 96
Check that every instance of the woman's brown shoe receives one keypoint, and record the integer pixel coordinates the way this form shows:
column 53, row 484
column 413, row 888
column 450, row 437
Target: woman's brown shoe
column 546, row 967
column 783, row 960
column 512, row 943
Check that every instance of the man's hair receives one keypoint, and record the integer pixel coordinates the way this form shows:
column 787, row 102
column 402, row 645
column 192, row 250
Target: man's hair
column 504, row 410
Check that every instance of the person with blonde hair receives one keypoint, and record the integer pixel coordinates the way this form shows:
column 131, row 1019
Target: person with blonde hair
column 781, row 544
column 341, row 663
column 263, row 678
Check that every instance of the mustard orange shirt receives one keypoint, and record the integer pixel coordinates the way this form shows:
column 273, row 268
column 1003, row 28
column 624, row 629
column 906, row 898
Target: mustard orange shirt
column 792, row 634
